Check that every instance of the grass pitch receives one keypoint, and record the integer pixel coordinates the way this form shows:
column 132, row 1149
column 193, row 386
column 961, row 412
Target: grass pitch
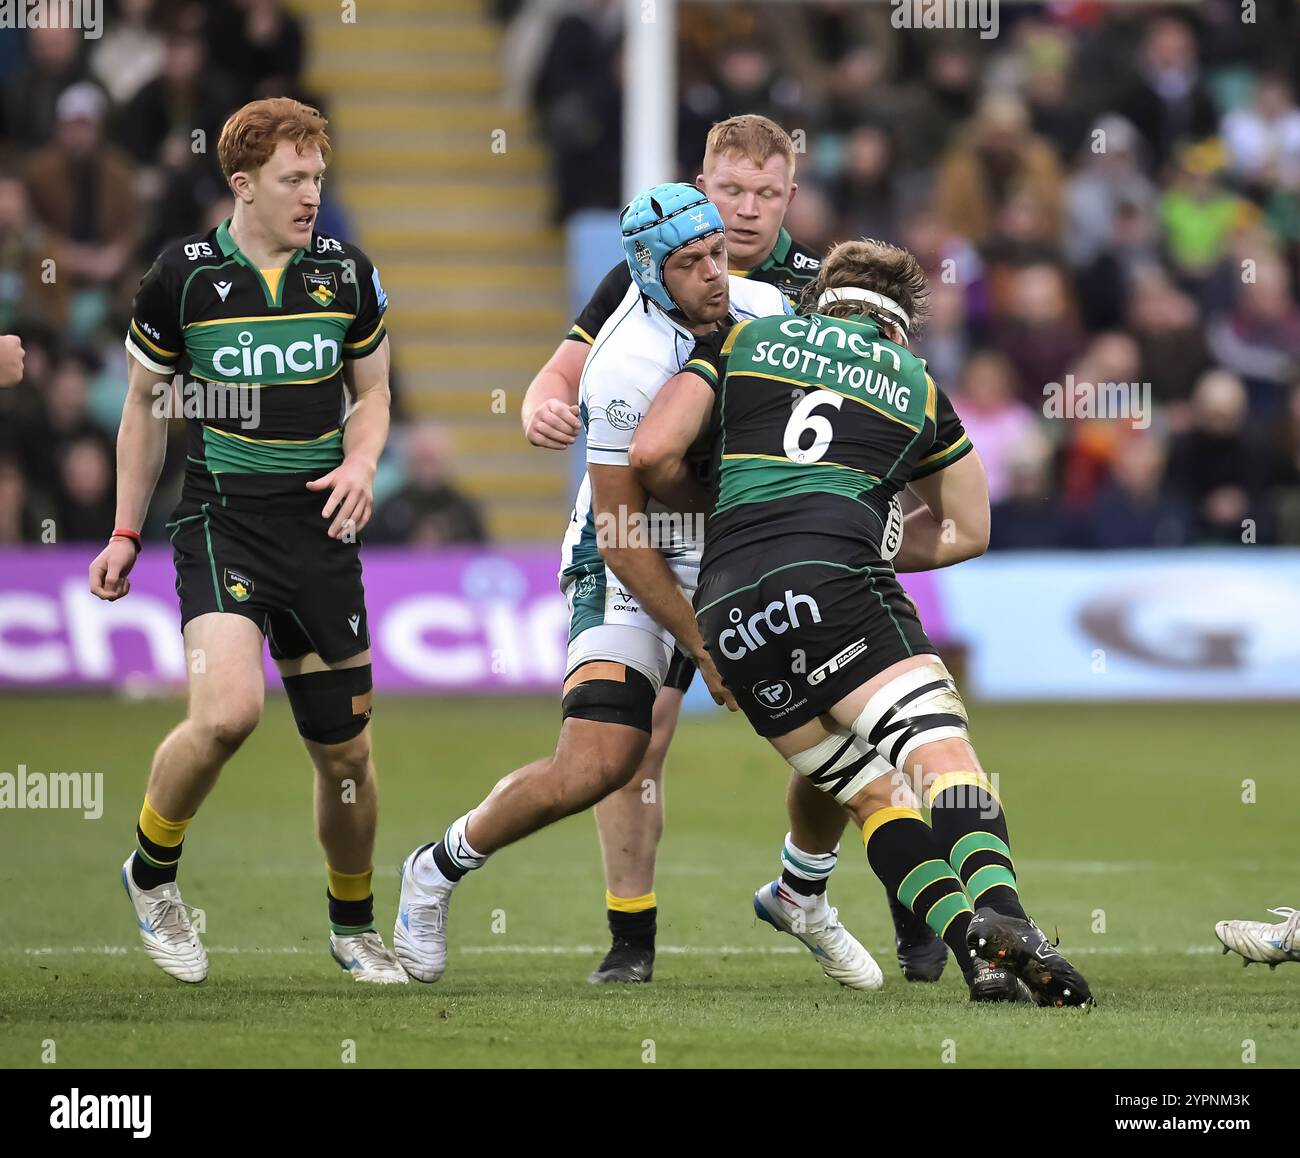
column 1128, row 824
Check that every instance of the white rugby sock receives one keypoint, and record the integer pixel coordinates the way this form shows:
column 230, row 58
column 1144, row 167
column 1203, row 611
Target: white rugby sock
column 814, row 867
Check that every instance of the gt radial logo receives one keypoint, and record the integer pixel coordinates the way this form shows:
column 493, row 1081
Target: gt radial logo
column 250, row 363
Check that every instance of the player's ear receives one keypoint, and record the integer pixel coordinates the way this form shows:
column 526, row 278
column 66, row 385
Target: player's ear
column 242, row 186
column 699, row 183
column 794, row 188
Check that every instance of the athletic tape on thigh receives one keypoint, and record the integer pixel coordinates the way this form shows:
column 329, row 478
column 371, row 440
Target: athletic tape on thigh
column 609, row 693
column 918, row 707
column 840, row 765
column 330, row 707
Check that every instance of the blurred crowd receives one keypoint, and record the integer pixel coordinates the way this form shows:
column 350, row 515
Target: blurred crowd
column 1101, row 194
column 108, row 150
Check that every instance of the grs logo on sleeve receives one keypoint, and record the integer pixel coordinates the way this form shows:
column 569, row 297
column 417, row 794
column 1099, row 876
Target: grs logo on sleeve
column 78, row 1111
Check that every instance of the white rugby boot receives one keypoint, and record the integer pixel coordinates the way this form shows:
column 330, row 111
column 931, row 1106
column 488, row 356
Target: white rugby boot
column 420, row 934
column 165, row 929
column 1272, row 945
column 838, row 952
column 367, row 958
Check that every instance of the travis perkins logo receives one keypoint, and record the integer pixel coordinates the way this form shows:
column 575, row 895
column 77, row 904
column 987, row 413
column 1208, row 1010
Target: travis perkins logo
column 980, row 14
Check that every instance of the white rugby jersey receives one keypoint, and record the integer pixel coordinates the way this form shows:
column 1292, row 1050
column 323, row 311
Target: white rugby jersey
column 636, row 351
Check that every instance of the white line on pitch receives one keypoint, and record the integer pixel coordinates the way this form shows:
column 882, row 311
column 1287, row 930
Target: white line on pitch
column 564, row 950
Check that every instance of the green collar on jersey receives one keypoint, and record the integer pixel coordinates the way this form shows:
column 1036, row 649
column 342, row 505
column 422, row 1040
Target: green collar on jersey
column 779, row 251
column 231, row 250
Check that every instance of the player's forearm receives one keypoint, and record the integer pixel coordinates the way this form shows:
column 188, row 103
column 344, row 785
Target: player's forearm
column 549, row 383
column 141, row 449
column 644, row 573
column 675, row 485
column 367, row 428
column 929, row 544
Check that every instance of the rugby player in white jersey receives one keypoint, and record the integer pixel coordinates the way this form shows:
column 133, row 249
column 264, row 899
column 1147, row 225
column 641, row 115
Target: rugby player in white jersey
column 629, row 594
column 749, row 174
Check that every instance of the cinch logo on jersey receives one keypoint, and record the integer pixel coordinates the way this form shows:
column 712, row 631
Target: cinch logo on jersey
column 78, row 1111
column 747, row 630
column 269, row 361
column 841, row 374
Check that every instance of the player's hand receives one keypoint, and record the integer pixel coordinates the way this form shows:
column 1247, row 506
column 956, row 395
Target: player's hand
column 109, row 571
column 11, row 360
column 554, row 425
column 351, row 500
column 713, row 681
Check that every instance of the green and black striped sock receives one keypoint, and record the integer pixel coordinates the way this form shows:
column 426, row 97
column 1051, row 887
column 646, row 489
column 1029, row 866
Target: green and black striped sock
column 969, row 822
column 904, row 854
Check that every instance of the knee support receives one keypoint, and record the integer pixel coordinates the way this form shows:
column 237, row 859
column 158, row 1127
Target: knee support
column 609, row 693
column 918, row 707
column 330, row 707
column 840, row 765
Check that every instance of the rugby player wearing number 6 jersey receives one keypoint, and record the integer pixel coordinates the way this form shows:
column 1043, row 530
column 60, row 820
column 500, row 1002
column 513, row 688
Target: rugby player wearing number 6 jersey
column 628, row 588
column 267, row 322
column 816, row 423
column 749, row 174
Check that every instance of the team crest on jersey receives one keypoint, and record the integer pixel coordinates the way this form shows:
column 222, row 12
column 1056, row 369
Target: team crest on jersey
column 320, row 287
column 240, row 586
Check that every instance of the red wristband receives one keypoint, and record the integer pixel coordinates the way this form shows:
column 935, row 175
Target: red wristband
column 125, row 533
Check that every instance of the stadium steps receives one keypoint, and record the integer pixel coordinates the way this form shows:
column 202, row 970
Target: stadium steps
column 451, row 198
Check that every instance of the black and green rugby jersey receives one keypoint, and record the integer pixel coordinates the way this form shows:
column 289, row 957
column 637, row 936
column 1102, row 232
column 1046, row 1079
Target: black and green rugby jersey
column 790, row 266
column 817, row 423
column 279, row 338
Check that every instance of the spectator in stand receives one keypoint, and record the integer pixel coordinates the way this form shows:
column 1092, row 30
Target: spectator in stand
column 810, row 219
column 130, row 53
column 428, row 511
column 944, row 341
column 1130, row 252
column 1282, row 471
column 1171, row 340
column 1131, row 509
column 1167, row 100
column 1031, row 517
column 1262, row 139
column 1107, row 180
column 865, row 192
column 987, row 397
column 83, row 191
column 65, row 418
column 20, row 512
column 29, row 288
column 53, row 66
column 994, row 156
column 1213, row 466
column 185, row 95
column 262, row 43
column 579, row 103
column 1260, row 339
column 87, row 498
column 1038, row 331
